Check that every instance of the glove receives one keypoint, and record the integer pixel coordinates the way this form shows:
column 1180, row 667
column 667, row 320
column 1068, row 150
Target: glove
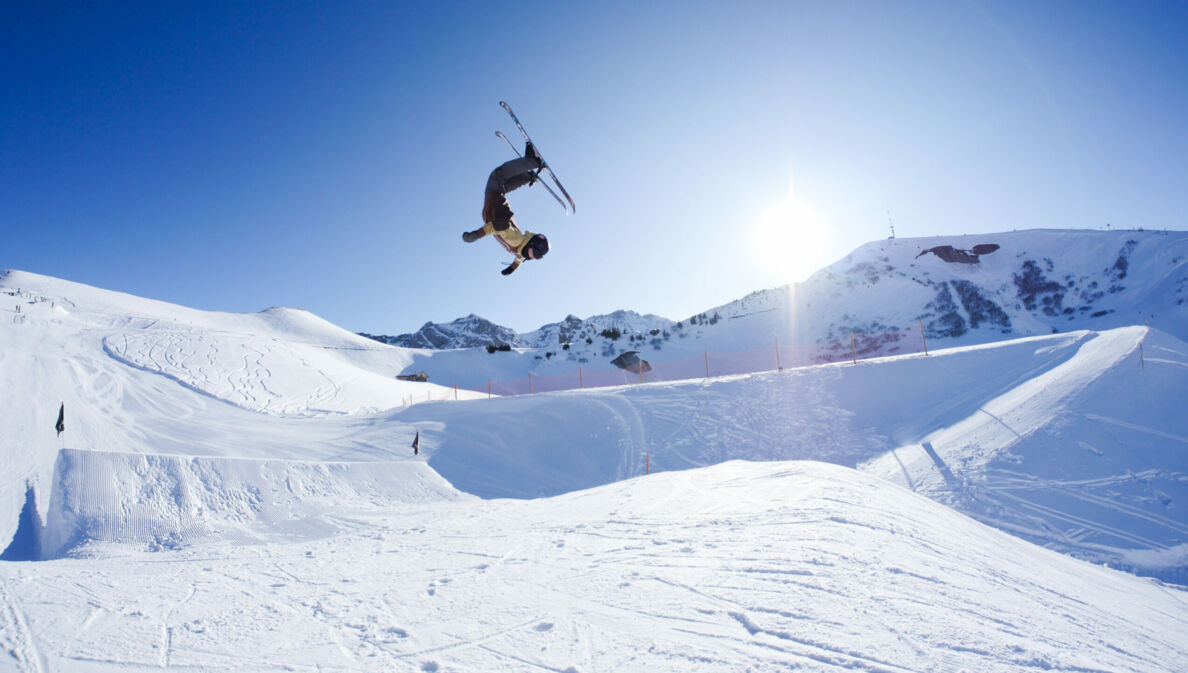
column 507, row 271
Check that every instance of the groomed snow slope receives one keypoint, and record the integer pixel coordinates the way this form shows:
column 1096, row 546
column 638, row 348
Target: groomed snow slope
column 742, row 566
column 116, row 360
column 1089, row 457
column 1073, row 440
column 207, row 530
column 1067, row 439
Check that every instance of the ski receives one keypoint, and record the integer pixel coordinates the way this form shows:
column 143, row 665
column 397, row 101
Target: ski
column 572, row 205
column 542, row 182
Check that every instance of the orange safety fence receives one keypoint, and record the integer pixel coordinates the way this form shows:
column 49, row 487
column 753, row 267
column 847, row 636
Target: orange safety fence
column 708, row 365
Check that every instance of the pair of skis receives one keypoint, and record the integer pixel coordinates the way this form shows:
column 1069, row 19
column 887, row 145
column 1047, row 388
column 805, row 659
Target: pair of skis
column 544, row 164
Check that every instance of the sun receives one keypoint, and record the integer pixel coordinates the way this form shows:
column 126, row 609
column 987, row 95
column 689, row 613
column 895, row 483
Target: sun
column 791, row 239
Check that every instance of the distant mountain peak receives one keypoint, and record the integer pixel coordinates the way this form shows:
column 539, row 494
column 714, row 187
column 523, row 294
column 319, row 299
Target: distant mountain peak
column 968, row 289
column 471, row 331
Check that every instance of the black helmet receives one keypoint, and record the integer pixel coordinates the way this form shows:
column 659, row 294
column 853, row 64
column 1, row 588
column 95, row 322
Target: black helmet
column 539, row 246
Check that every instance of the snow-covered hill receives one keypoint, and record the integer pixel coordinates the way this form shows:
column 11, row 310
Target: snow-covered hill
column 239, row 492
column 1035, row 282
column 141, row 376
column 742, row 566
column 1074, row 440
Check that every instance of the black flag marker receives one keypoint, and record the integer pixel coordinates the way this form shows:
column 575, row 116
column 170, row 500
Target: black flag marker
column 416, row 445
column 61, row 425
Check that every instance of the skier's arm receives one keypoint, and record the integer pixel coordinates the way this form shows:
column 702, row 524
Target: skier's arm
column 511, row 268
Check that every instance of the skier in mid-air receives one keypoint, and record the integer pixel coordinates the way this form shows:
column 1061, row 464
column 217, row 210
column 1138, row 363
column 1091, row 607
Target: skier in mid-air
column 498, row 216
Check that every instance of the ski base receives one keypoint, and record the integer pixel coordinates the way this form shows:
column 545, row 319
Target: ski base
column 545, row 167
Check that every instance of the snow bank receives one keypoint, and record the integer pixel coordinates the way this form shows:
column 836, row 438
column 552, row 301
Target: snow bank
column 549, row 444
column 156, row 501
column 1086, row 458
column 742, row 566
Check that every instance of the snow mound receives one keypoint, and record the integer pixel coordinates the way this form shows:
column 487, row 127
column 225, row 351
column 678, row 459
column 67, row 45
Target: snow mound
column 741, row 566
column 156, row 501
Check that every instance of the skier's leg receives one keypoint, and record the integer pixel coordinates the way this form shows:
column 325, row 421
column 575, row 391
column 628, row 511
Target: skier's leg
column 512, row 175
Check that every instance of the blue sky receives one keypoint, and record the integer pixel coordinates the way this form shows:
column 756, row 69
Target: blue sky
column 328, row 156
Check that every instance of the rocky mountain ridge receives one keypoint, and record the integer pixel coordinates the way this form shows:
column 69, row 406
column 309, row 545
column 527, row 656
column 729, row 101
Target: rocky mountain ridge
column 1029, row 283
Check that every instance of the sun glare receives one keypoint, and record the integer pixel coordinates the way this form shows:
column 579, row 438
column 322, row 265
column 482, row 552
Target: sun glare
column 791, row 239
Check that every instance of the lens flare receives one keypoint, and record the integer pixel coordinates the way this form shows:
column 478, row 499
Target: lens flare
column 791, row 240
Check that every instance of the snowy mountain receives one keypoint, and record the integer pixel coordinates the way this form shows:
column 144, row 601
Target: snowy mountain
column 572, row 330
column 469, row 332
column 1034, row 282
column 239, row 491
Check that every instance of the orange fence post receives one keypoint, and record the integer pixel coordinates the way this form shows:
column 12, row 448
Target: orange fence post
column 581, row 382
column 707, row 363
column 853, row 349
column 529, row 383
column 779, row 367
column 455, row 392
column 923, row 337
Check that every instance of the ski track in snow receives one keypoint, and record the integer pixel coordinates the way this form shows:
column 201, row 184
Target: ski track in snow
column 568, row 587
column 16, row 636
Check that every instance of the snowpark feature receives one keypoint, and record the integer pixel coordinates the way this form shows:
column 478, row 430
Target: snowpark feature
column 224, row 499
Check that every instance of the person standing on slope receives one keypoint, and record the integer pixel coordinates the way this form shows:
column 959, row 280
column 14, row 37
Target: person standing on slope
column 498, row 216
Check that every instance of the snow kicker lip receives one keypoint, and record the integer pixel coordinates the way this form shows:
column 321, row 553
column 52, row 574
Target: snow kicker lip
column 172, row 501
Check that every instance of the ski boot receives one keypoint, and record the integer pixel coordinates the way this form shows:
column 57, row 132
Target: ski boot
column 531, row 153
